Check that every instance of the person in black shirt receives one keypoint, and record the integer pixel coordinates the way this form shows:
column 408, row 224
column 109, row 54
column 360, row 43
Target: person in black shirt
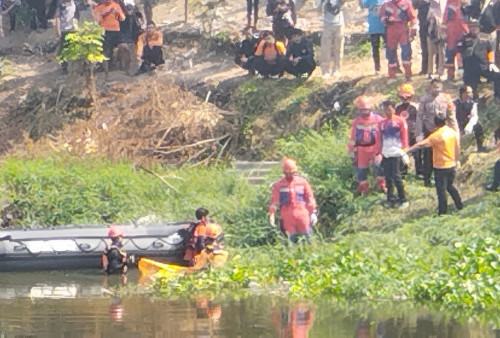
column 423, row 9
column 245, row 49
column 467, row 116
column 300, row 54
column 477, row 59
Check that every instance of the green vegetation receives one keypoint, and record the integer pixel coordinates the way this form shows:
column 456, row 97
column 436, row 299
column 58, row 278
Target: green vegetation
column 84, row 44
column 65, row 190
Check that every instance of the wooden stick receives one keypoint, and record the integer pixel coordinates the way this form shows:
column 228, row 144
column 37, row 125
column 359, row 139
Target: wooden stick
column 222, row 150
column 156, row 150
column 158, row 177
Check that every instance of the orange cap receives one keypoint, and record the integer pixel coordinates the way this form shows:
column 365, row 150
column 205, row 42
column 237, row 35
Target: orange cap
column 289, row 165
column 363, row 102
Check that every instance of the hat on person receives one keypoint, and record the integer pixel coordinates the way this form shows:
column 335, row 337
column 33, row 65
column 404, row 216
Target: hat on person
column 115, row 231
column 406, row 90
column 362, row 102
column 289, row 165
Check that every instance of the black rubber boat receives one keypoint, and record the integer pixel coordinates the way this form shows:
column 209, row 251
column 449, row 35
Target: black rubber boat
column 81, row 247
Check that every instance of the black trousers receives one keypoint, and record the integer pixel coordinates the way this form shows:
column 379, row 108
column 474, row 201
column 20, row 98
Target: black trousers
column 304, row 66
column 423, row 45
column 111, row 40
column 444, row 183
column 391, row 166
column 39, row 7
column 375, row 42
column 472, row 78
column 152, row 56
column 496, row 175
column 252, row 5
column 427, row 164
column 265, row 69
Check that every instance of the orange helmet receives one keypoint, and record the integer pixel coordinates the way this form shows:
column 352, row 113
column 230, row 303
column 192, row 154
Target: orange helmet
column 289, row 165
column 406, row 90
column 363, row 102
column 115, row 231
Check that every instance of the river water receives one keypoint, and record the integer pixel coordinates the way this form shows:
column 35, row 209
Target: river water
column 83, row 304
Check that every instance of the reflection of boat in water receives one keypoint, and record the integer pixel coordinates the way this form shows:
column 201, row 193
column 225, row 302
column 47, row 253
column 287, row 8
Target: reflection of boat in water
column 81, row 247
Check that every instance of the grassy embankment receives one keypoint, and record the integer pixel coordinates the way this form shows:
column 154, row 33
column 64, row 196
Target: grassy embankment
column 363, row 250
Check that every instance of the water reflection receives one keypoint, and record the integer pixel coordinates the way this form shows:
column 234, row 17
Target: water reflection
column 293, row 320
column 77, row 305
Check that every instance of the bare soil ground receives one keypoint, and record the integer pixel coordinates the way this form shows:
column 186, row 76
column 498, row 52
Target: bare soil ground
column 178, row 114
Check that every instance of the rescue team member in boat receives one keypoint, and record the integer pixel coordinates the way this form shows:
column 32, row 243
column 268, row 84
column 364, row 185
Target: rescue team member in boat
column 114, row 258
column 206, row 236
column 295, row 198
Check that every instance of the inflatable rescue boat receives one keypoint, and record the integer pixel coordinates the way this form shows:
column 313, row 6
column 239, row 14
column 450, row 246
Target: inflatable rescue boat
column 81, row 247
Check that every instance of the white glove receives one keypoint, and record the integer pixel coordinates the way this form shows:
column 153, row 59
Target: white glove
column 419, row 138
column 494, row 68
column 468, row 129
column 272, row 219
column 406, row 159
column 314, row 218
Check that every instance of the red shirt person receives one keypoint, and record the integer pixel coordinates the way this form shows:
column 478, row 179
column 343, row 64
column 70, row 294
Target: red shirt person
column 295, row 198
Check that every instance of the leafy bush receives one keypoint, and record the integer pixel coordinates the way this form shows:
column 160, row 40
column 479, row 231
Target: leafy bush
column 84, row 44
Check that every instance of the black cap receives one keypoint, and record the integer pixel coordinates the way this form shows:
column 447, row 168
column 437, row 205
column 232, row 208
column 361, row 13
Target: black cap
column 201, row 212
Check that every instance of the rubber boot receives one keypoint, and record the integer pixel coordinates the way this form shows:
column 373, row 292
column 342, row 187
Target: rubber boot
column 407, row 68
column 450, row 72
column 381, row 184
column 391, row 72
column 363, row 188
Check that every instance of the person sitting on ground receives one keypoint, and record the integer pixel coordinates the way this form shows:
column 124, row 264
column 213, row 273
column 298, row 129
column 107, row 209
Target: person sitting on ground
column 108, row 15
column 65, row 14
column 300, row 54
column 467, row 116
column 445, row 145
column 114, row 258
column 206, row 236
column 245, row 50
column 270, row 56
column 393, row 142
column 148, row 49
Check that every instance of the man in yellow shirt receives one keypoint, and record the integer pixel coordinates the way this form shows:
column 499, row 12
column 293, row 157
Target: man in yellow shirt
column 445, row 149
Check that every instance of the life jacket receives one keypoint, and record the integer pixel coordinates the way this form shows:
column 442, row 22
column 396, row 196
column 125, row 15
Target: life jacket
column 114, row 260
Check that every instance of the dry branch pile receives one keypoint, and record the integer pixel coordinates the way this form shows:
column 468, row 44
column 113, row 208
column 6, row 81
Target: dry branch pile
column 148, row 121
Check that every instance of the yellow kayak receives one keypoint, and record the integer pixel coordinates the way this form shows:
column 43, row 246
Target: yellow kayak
column 149, row 267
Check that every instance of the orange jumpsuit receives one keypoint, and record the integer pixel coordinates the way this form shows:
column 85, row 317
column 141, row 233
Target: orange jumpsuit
column 296, row 201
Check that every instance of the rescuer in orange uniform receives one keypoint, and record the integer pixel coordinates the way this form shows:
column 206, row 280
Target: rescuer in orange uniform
column 295, row 198
column 206, row 236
